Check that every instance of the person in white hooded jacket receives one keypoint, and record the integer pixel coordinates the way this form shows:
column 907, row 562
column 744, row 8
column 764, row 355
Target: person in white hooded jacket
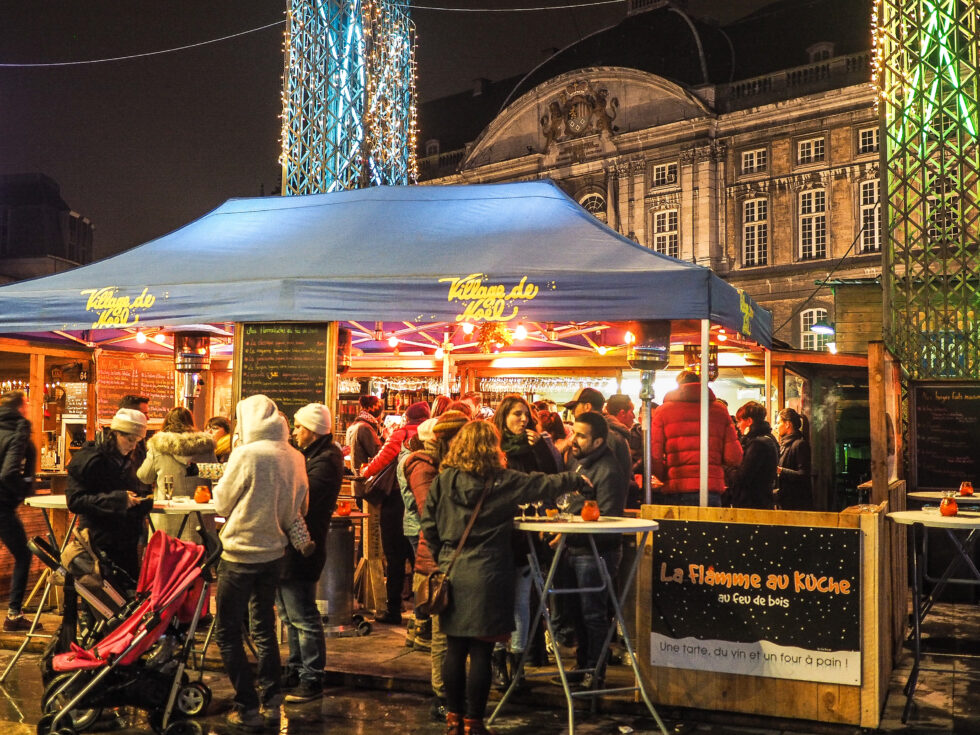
column 263, row 489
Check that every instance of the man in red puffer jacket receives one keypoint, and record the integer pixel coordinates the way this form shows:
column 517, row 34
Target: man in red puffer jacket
column 675, row 438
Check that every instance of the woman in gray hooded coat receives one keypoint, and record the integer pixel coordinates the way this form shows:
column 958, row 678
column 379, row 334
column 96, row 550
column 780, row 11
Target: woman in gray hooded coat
column 481, row 611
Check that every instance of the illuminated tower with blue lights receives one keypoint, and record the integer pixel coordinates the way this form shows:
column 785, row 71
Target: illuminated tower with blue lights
column 926, row 67
column 348, row 116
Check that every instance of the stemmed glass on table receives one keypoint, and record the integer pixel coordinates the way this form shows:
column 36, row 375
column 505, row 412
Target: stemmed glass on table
column 523, row 507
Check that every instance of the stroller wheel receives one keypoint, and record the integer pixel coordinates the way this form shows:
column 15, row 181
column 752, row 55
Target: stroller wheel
column 44, row 727
column 363, row 628
column 56, row 696
column 193, row 699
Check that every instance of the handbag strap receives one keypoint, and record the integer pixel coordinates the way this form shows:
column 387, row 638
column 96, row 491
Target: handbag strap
column 469, row 525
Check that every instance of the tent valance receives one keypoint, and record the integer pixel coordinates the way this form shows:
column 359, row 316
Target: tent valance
column 416, row 253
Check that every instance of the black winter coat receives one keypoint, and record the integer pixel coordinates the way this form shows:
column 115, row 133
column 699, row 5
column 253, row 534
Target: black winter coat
column 750, row 485
column 795, row 477
column 482, row 579
column 17, row 458
column 325, row 470
column 605, row 472
column 98, row 478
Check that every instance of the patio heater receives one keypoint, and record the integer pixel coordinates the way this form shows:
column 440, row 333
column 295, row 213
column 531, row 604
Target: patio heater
column 192, row 356
column 649, row 352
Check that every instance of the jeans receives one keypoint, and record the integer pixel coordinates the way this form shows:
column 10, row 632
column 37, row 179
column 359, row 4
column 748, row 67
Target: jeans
column 593, row 621
column 714, row 499
column 247, row 593
column 13, row 537
column 522, row 610
column 304, row 629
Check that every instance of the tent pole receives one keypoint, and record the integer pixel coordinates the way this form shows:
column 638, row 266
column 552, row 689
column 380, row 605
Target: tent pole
column 705, row 364
column 768, row 356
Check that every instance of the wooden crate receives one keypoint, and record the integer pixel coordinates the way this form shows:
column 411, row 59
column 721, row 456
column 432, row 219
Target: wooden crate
column 834, row 703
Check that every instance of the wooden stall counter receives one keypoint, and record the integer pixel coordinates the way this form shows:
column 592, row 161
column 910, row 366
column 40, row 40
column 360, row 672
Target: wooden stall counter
column 773, row 613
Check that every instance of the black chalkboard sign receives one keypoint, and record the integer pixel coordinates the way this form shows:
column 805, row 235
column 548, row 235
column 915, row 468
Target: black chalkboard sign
column 287, row 362
column 757, row 599
column 945, row 434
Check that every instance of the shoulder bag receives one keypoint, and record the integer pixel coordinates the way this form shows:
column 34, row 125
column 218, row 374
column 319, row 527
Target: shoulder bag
column 436, row 593
column 379, row 486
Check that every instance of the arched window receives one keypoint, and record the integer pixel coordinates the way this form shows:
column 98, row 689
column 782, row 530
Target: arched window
column 810, row 340
column 594, row 204
column 432, row 147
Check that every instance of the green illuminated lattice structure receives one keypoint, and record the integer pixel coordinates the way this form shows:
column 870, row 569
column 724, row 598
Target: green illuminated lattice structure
column 348, row 96
column 927, row 74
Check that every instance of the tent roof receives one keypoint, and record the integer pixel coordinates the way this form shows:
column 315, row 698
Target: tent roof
column 413, row 253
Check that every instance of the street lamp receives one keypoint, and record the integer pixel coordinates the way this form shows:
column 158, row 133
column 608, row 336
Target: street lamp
column 822, row 326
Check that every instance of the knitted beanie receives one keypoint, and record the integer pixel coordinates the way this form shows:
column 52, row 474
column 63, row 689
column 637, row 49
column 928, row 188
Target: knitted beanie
column 449, row 423
column 417, row 412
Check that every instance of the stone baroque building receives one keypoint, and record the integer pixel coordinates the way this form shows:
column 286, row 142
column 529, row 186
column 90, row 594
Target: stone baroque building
column 751, row 148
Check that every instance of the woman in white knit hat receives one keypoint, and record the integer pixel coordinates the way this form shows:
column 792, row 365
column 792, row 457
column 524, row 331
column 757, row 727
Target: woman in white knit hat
column 100, row 492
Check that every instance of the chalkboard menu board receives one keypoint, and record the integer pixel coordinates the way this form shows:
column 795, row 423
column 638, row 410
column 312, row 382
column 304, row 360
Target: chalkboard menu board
column 286, row 362
column 118, row 376
column 945, row 434
column 76, row 398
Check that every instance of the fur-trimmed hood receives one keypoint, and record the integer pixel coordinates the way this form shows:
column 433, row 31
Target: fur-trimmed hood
column 184, row 444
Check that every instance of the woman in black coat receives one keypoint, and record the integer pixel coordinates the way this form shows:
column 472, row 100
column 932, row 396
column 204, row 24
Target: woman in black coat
column 101, row 493
column 481, row 611
column 526, row 451
column 794, row 470
column 750, row 485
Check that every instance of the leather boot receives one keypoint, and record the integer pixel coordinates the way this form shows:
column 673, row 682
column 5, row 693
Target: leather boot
column 498, row 666
column 476, row 727
column 454, row 724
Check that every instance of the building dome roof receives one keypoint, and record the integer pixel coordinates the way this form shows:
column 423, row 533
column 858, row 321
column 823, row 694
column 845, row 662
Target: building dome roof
column 665, row 41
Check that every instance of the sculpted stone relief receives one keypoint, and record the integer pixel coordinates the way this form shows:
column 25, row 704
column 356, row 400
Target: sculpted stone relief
column 579, row 110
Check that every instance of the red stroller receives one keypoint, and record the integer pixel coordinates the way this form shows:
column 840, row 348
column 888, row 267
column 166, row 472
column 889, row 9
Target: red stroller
column 141, row 661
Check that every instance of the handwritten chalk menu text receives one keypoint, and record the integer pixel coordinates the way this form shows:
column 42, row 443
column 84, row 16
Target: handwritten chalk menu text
column 287, row 362
column 124, row 375
column 758, row 600
column 945, row 434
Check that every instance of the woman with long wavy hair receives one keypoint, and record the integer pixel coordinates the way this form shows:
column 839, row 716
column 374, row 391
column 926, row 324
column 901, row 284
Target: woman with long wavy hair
column 481, row 611
column 527, row 450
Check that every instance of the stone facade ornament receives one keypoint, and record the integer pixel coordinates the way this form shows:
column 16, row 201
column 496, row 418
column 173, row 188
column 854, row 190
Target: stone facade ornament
column 578, row 110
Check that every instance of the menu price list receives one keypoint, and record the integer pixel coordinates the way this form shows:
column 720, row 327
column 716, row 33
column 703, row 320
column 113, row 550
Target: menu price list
column 286, row 362
column 946, row 434
column 120, row 376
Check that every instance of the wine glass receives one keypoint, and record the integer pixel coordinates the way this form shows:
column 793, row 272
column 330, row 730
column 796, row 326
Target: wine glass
column 564, row 502
column 168, row 487
column 523, row 507
column 538, row 505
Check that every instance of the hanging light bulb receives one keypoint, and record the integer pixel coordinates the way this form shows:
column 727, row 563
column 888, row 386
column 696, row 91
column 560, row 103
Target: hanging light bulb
column 140, row 337
column 722, row 337
column 467, row 328
column 520, row 332
column 629, row 338
column 440, row 353
column 601, row 349
column 160, row 339
column 392, row 341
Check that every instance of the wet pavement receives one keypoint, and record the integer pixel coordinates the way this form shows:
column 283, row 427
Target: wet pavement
column 378, row 685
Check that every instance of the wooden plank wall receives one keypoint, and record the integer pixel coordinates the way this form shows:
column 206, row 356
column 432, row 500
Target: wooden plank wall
column 768, row 696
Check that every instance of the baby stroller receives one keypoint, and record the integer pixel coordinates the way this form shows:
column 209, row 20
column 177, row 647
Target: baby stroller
column 140, row 662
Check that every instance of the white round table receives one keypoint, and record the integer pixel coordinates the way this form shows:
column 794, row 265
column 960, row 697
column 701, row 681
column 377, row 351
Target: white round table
column 606, row 525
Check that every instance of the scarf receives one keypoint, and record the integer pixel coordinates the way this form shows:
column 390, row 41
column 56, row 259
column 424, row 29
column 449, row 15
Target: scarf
column 514, row 445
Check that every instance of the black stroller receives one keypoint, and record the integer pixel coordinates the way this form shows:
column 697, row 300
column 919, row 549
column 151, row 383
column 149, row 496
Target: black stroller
column 141, row 659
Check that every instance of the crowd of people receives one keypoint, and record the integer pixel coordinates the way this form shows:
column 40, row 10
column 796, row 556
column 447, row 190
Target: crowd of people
column 463, row 470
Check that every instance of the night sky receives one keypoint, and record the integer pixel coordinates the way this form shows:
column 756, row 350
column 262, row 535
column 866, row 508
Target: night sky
column 143, row 146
